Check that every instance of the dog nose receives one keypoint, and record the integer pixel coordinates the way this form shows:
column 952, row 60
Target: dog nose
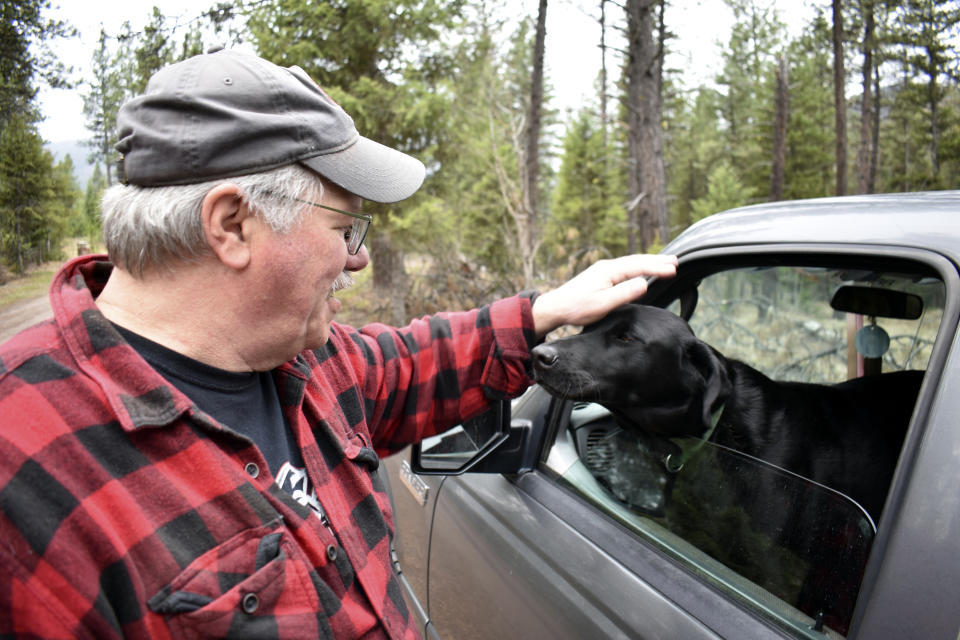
column 545, row 356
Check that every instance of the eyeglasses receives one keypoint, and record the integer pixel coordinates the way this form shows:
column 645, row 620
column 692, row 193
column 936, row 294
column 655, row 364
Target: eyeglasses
column 357, row 233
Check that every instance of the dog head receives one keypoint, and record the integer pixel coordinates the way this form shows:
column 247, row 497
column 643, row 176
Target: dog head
column 645, row 365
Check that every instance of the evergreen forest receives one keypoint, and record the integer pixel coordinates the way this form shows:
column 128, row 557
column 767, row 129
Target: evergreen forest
column 861, row 99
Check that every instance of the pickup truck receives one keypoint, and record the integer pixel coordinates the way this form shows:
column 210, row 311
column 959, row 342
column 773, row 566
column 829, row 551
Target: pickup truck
column 513, row 525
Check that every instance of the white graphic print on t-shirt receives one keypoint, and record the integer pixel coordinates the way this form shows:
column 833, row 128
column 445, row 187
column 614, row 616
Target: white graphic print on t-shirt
column 294, row 481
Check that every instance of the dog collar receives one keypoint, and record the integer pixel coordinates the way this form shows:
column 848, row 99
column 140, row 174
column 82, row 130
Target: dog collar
column 689, row 446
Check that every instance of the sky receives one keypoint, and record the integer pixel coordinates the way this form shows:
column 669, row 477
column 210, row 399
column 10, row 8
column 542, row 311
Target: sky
column 572, row 55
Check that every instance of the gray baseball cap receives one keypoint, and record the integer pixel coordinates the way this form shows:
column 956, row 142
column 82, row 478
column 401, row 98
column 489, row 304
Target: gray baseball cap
column 225, row 114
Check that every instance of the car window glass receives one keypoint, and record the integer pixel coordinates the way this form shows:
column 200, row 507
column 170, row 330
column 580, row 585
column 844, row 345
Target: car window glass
column 779, row 320
column 789, row 546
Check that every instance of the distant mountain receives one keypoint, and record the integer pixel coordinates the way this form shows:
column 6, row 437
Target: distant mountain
column 78, row 152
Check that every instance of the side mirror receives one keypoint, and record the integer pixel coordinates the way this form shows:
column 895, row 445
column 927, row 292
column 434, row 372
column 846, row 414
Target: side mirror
column 468, row 447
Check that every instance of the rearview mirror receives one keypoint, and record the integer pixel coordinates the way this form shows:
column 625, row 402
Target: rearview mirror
column 877, row 302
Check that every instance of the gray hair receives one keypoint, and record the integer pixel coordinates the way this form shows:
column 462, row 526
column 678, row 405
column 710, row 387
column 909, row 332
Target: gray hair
column 147, row 228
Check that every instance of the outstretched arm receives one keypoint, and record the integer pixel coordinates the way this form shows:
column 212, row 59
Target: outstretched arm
column 602, row 287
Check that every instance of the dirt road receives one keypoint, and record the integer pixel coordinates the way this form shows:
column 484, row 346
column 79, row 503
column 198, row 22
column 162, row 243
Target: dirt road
column 23, row 313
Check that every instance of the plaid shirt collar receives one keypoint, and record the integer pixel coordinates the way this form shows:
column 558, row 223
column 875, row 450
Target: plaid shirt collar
column 140, row 397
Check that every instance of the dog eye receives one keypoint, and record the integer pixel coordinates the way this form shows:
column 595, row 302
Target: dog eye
column 624, row 337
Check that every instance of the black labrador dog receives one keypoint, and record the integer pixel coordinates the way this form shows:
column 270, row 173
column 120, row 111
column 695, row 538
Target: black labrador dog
column 646, row 366
column 668, row 389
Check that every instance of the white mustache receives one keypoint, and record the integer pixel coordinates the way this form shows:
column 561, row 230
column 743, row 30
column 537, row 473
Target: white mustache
column 343, row 281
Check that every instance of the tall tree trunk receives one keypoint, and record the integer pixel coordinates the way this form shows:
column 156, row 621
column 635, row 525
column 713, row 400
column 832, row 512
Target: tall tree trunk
column 663, row 216
column 865, row 151
column 18, row 239
column 105, row 149
column 875, row 152
column 531, row 159
column 934, row 102
column 603, row 75
column 906, row 139
column 839, row 99
column 389, row 275
column 647, row 205
column 604, row 125
column 781, row 108
column 634, row 181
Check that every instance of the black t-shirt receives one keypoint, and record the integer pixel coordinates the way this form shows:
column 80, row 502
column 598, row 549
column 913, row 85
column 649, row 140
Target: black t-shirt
column 246, row 402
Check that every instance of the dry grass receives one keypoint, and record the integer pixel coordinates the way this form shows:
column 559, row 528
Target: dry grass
column 35, row 283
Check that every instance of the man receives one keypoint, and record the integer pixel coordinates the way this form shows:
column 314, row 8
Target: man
column 188, row 446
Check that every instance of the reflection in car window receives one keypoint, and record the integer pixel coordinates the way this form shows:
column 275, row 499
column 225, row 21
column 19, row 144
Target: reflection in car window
column 780, row 321
column 791, row 547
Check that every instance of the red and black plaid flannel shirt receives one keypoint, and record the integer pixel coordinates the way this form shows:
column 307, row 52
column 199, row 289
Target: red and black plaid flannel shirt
column 127, row 511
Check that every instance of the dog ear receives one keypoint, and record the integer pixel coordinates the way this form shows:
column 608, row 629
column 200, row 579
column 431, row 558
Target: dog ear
column 716, row 381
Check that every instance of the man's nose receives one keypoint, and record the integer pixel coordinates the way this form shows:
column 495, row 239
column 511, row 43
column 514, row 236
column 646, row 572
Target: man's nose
column 358, row 261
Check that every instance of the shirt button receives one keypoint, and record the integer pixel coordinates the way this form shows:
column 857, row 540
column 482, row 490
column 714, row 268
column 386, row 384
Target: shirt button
column 250, row 603
column 332, row 553
column 252, row 469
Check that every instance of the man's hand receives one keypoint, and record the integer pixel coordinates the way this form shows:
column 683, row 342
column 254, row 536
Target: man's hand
column 602, row 287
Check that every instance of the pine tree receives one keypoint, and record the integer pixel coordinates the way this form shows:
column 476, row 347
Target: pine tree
column 84, row 220
column 905, row 161
column 950, row 138
column 27, row 60
column 926, row 30
column 145, row 52
column 101, row 102
column 587, row 223
column 810, row 170
column 61, row 205
column 122, row 71
column 25, row 188
column 381, row 61
column 749, row 81
column 724, row 191
column 694, row 146
column 91, row 201
column 28, row 195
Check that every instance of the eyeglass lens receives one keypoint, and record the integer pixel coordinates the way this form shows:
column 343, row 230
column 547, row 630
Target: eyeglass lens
column 357, row 235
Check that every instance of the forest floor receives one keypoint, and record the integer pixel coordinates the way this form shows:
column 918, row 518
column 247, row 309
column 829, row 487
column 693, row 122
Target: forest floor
column 24, row 301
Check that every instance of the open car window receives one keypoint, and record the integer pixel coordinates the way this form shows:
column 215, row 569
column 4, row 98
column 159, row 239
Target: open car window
column 791, row 548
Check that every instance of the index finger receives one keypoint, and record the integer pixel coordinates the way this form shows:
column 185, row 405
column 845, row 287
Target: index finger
column 645, row 265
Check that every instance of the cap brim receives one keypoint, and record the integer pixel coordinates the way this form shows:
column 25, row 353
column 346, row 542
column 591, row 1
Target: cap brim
column 371, row 170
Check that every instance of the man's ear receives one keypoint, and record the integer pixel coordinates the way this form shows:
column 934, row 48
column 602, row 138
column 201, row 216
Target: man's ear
column 715, row 381
column 227, row 225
